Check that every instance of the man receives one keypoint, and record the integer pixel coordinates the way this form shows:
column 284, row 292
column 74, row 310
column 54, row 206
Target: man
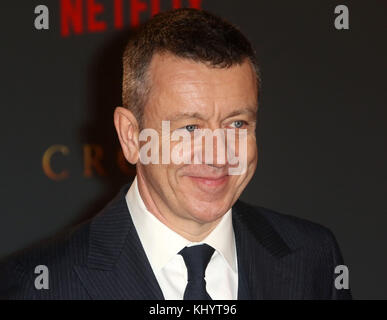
column 179, row 231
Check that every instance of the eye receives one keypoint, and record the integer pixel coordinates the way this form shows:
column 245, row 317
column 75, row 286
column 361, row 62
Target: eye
column 191, row 127
column 239, row 123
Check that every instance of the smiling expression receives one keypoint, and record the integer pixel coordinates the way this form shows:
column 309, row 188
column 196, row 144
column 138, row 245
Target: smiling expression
column 192, row 95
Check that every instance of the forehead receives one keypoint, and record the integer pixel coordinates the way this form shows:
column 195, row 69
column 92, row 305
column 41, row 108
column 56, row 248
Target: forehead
column 179, row 84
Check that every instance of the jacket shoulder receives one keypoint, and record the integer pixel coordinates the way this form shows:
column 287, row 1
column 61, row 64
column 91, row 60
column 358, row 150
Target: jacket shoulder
column 58, row 255
column 296, row 232
column 310, row 244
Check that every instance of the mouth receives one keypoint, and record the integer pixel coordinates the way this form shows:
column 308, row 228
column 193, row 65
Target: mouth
column 210, row 181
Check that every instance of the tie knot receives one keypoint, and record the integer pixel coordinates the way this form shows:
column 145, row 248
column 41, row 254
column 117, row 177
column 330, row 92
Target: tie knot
column 196, row 259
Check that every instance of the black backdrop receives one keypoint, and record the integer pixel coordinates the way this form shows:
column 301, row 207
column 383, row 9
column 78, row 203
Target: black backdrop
column 322, row 121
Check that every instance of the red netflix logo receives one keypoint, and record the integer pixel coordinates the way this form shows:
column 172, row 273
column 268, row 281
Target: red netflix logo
column 80, row 16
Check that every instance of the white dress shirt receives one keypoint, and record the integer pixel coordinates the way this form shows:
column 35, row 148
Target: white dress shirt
column 161, row 245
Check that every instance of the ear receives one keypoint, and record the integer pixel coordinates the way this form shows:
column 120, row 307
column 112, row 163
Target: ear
column 127, row 130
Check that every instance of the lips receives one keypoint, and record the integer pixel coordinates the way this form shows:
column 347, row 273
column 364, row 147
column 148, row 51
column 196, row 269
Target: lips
column 210, row 181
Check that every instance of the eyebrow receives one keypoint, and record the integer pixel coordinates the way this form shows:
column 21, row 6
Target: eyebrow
column 248, row 111
column 186, row 115
column 191, row 115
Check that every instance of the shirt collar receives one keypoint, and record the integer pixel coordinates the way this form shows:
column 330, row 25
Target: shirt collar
column 161, row 243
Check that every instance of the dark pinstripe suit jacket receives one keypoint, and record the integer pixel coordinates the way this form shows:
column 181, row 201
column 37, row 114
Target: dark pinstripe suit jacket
column 279, row 257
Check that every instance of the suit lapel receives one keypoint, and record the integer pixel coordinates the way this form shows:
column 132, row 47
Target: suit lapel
column 261, row 253
column 117, row 266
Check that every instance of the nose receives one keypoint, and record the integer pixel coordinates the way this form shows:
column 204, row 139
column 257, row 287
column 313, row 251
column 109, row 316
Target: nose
column 210, row 148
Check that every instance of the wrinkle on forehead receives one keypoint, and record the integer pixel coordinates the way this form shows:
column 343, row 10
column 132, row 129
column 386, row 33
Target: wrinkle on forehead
column 182, row 84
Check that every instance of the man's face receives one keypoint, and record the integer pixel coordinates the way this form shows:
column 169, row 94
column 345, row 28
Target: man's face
column 192, row 95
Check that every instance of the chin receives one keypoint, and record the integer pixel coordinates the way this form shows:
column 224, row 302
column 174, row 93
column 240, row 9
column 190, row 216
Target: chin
column 208, row 211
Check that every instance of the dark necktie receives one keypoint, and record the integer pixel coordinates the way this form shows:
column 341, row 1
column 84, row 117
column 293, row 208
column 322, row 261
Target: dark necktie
column 196, row 259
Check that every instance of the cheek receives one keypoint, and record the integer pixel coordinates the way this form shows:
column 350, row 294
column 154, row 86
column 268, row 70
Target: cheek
column 252, row 150
column 158, row 174
column 171, row 175
column 252, row 158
